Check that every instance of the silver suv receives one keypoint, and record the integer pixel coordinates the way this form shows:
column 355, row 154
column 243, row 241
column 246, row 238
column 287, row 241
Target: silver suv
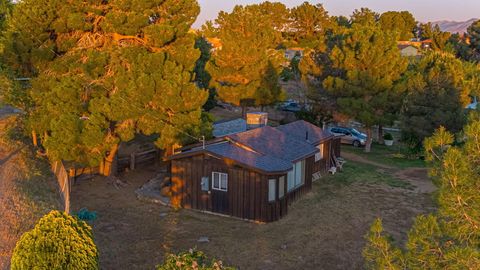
column 349, row 136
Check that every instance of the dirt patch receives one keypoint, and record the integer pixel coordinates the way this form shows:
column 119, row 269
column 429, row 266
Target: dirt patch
column 357, row 158
column 418, row 177
column 324, row 230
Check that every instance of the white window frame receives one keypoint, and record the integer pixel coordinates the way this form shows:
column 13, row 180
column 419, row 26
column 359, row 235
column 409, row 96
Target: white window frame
column 272, row 190
column 319, row 155
column 281, row 187
column 222, row 185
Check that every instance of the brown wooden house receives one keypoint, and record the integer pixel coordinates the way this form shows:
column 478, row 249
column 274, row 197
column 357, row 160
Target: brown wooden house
column 255, row 174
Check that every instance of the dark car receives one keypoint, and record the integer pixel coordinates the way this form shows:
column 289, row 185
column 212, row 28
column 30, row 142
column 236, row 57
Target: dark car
column 349, row 136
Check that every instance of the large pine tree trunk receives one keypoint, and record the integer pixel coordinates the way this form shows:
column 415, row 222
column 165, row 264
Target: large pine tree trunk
column 368, row 144
column 110, row 166
column 34, row 138
column 380, row 134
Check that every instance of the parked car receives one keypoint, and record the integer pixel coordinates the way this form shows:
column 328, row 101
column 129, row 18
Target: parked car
column 290, row 106
column 349, row 136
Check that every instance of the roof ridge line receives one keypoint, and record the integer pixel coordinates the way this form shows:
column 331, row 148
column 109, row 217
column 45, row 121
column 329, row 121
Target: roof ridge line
column 243, row 146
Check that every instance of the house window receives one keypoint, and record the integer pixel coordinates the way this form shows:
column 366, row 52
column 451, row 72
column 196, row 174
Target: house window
column 204, row 184
column 290, row 180
column 319, row 155
column 299, row 169
column 296, row 177
column 219, row 181
column 272, row 188
column 281, row 187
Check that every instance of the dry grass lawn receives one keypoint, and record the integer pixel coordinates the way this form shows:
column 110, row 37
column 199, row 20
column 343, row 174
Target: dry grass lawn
column 324, row 230
column 27, row 190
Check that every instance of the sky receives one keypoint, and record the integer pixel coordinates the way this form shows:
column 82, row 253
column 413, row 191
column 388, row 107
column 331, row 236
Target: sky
column 423, row 10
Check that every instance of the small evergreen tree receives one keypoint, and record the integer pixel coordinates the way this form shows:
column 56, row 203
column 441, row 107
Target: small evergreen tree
column 193, row 259
column 58, row 241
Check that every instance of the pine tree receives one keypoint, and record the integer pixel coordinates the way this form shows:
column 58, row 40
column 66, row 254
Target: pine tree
column 249, row 37
column 438, row 90
column 270, row 91
column 103, row 72
column 435, row 34
column 309, row 25
column 401, row 22
column 473, row 34
column 450, row 239
column 366, row 68
column 58, row 241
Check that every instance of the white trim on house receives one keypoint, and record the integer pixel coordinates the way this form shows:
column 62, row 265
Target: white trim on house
column 319, row 155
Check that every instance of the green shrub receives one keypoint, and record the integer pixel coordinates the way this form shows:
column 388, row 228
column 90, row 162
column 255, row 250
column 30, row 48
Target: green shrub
column 58, row 241
column 388, row 137
column 192, row 259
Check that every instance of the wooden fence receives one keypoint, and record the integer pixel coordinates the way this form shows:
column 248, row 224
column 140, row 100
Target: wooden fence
column 131, row 162
column 67, row 177
column 64, row 183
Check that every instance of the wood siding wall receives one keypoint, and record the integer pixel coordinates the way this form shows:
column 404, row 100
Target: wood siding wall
column 246, row 197
column 247, row 194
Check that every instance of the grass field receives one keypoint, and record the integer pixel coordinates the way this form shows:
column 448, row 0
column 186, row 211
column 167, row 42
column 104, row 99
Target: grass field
column 393, row 156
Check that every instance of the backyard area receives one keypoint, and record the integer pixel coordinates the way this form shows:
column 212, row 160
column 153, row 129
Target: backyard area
column 323, row 230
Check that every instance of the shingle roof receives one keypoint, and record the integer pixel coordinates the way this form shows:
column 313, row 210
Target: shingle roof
column 266, row 163
column 229, row 127
column 268, row 149
column 299, row 129
column 270, row 141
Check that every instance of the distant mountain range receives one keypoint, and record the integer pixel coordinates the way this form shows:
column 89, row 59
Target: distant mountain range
column 454, row 27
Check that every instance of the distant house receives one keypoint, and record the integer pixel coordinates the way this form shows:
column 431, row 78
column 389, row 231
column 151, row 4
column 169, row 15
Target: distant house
column 292, row 53
column 408, row 50
column 256, row 174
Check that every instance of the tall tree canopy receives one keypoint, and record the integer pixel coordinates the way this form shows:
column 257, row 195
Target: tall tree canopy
column 449, row 239
column 473, row 34
column 368, row 66
column 401, row 22
column 364, row 16
column 249, row 36
column 103, row 71
column 435, row 34
column 438, row 90
column 308, row 25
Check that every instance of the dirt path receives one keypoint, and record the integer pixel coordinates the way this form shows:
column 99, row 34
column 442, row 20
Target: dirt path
column 360, row 159
column 418, row 177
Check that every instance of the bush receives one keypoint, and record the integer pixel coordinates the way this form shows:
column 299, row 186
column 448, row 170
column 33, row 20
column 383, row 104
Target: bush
column 388, row 137
column 58, row 241
column 192, row 259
